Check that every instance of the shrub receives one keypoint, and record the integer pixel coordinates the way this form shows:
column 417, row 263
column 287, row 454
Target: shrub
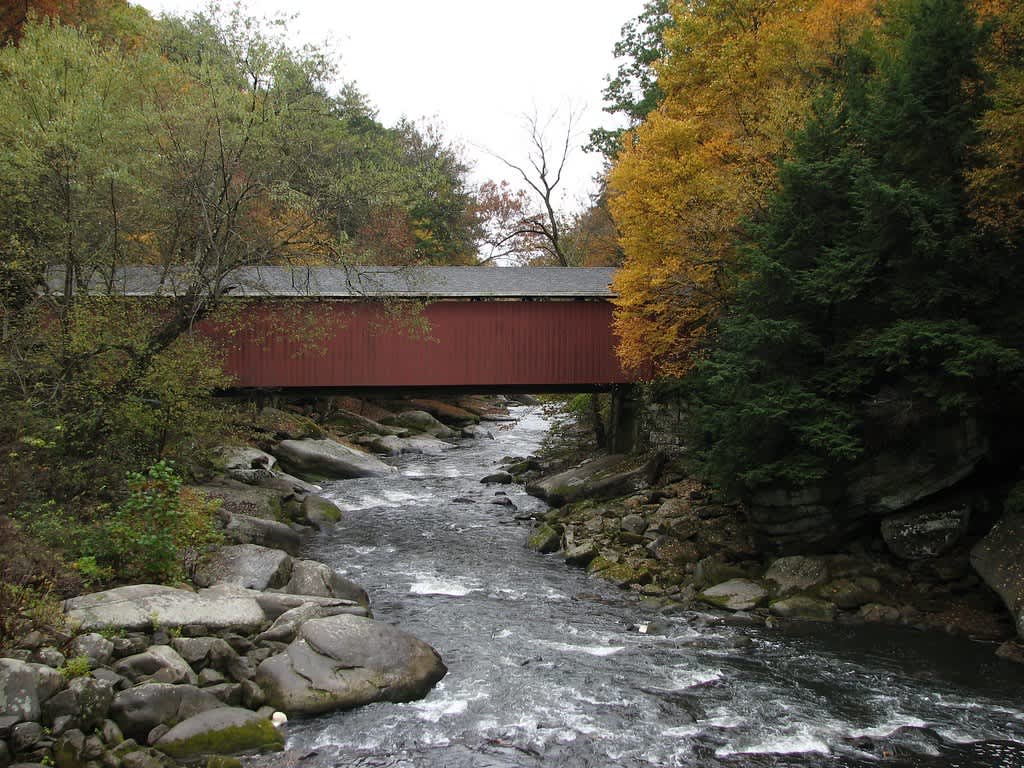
column 159, row 532
column 78, row 666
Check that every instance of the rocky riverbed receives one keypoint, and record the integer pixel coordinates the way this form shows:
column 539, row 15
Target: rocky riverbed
column 642, row 524
column 147, row 675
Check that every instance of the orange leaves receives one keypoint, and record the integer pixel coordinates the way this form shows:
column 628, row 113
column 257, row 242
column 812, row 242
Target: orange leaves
column 738, row 76
column 997, row 188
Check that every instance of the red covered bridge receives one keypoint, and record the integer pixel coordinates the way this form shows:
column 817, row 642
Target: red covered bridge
column 457, row 328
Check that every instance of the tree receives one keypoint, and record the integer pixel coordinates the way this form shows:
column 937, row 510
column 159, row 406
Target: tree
column 865, row 281
column 634, row 92
column 735, row 79
column 997, row 186
column 542, row 173
column 158, row 155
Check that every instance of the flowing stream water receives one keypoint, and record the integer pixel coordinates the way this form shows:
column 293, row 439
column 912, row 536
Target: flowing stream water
column 546, row 666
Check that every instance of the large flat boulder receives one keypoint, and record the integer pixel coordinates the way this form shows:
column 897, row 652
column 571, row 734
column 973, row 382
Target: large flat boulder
column 602, row 478
column 344, row 661
column 735, row 595
column 316, row 460
column 248, row 565
column 245, row 529
column 223, row 731
column 350, row 422
column 999, row 560
column 445, row 412
column 392, row 445
column 421, row 421
column 137, row 607
column 243, row 498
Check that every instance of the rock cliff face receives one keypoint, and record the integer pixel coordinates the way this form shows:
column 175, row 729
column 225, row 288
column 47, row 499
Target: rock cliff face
column 906, row 476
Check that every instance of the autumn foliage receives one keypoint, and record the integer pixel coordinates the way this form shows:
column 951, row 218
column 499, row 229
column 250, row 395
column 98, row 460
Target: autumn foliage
column 824, row 217
column 736, row 79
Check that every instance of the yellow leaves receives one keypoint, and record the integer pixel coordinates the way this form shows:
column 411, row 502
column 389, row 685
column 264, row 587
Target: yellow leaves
column 738, row 76
column 997, row 188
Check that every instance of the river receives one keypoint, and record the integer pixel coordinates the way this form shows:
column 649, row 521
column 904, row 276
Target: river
column 546, row 666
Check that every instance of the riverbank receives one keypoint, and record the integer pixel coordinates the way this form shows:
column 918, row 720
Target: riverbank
column 142, row 675
column 678, row 545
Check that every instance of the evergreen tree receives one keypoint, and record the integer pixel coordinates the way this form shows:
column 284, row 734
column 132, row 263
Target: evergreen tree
column 865, row 277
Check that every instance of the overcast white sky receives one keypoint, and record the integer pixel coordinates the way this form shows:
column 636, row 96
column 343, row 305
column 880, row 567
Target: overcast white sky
column 473, row 66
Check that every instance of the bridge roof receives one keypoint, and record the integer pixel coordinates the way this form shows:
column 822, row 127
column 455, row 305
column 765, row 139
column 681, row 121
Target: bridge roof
column 370, row 282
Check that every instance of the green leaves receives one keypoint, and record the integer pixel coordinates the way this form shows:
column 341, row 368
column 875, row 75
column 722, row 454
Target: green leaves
column 865, row 274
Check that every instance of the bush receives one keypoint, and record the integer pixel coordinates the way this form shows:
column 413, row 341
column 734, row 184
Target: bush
column 159, row 532
column 78, row 666
column 33, row 578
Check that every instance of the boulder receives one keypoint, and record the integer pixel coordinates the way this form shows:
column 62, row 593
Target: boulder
column 245, row 529
column 601, row 478
column 68, row 750
column 248, row 565
column 286, row 627
column 735, row 595
column 319, row 511
column 348, row 422
column 421, row 421
column 224, row 731
column 582, row 553
column 316, row 460
column 804, row 608
column 24, row 687
column 999, row 560
column 476, row 432
column 545, row 539
column 203, row 653
column 928, row 532
column 92, row 699
column 159, row 662
column 633, row 523
column 312, row 578
column 139, row 710
column 796, row 573
column 244, row 499
column 446, row 412
column 392, row 445
column 139, row 606
column 285, row 485
column 95, row 647
column 497, row 478
column 243, row 457
column 852, row 593
column 343, row 661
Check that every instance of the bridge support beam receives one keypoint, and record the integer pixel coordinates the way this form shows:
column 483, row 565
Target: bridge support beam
column 625, row 420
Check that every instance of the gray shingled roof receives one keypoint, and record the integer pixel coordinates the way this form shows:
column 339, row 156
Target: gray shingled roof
column 354, row 282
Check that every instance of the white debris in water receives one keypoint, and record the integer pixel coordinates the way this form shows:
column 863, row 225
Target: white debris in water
column 798, row 741
column 593, row 650
column 433, row 711
column 438, row 586
column 682, row 678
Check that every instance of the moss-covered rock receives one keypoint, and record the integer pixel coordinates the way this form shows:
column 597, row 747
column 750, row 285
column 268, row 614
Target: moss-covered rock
column 319, row 511
column 225, row 731
column 735, row 595
column 622, row 573
column 804, row 608
column 545, row 539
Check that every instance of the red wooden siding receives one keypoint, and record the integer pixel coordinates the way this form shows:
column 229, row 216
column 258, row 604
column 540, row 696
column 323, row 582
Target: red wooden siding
column 471, row 343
